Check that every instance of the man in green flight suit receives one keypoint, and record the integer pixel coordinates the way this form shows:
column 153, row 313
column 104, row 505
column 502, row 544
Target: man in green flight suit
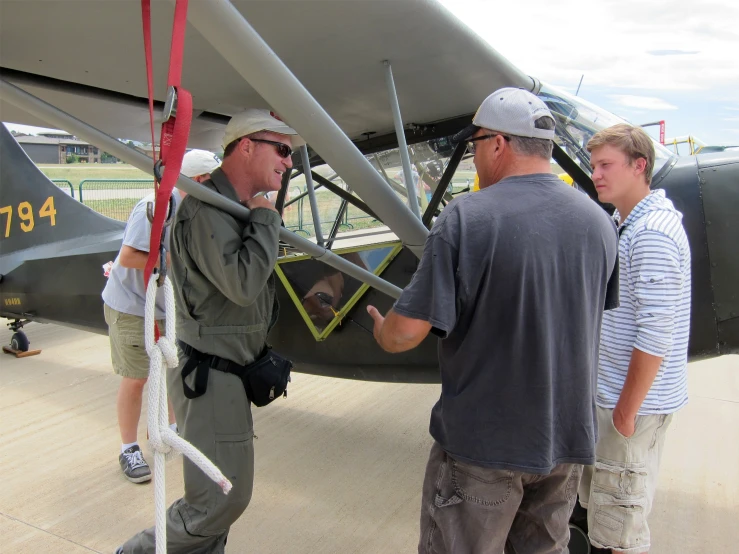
column 225, row 297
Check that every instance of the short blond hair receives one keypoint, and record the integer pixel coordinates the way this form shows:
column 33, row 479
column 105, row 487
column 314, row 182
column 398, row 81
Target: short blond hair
column 632, row 141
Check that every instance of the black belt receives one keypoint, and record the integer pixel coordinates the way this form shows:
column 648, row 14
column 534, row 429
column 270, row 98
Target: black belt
column 202, row 363
column 264, row 379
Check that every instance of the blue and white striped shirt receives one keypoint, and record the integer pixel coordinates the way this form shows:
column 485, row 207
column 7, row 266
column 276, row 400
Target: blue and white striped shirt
column 654, row 315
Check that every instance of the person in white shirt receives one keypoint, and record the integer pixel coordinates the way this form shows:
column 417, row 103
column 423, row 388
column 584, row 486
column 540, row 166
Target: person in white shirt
column 642, row 365
column 125, row 297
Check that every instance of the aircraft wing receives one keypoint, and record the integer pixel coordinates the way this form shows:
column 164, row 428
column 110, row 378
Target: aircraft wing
column 87, row 58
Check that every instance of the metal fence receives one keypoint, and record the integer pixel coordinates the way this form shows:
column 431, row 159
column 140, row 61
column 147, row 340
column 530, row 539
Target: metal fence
column 300, row 220
column 63, row 184
column 298, row 217
column 114, row 198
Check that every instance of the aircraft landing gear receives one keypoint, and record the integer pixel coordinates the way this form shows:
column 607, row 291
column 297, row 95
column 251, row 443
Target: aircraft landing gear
column 19, row 342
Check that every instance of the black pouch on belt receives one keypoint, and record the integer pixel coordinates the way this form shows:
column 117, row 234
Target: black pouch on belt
column 264, row 379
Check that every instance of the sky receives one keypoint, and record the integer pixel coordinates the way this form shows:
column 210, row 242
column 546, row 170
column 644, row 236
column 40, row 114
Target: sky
column 645, row 60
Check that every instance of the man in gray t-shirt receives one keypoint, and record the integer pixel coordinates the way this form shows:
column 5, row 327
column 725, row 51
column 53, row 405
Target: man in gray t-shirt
column 514, row 279
column 125, row 298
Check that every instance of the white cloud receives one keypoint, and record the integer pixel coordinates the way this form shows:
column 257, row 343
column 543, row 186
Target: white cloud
column 610, row 41
column 28, row 129
column 673, row 52
column 731, row 119
column 643, row 102
column 679, row 53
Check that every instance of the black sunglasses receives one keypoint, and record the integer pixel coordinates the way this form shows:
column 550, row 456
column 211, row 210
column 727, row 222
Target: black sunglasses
column 283, row 149
column 471, row 146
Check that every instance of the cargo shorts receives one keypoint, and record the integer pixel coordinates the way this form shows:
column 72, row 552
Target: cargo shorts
column 127, row 347
column 618, row 491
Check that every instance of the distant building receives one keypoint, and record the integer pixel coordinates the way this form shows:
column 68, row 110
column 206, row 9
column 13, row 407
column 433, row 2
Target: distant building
column 146, row 149
column 58, row 135
column 55, row 148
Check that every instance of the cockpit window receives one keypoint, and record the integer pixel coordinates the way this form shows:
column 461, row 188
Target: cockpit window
column 577, row 120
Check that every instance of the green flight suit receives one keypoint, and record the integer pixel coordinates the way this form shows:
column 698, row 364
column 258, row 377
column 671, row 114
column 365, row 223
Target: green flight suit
column 222, row 273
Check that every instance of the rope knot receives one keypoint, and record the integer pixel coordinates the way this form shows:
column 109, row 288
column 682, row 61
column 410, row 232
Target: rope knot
column 156, row 441
column 169, row 351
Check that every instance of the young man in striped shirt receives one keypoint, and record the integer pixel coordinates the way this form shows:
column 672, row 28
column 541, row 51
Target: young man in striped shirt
column 642, row 366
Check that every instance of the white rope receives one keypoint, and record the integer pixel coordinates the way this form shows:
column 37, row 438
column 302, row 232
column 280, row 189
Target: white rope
column 161, row 438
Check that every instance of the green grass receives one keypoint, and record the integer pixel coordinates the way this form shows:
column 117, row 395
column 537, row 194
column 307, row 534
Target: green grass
column 117, row 208
column 328, row 208
column 74, row 173
column 116, row 184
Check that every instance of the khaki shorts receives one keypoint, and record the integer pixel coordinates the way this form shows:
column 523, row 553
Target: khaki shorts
column 127, row 348
column 618, row 491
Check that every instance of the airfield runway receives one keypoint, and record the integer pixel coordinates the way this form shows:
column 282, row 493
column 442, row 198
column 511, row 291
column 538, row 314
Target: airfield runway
column 339, row 463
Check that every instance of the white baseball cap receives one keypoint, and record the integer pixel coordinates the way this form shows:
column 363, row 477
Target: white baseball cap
column 513, row 111
column 253, row 121
column 199, row 162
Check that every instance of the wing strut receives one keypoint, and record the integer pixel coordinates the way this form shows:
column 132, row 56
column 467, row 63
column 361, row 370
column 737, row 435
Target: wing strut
column 410, row 184
column 62, row 120
column 311, row 194
column 224, row 27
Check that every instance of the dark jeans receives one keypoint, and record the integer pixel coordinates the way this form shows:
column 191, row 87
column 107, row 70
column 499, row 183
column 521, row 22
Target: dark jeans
column 468, row 509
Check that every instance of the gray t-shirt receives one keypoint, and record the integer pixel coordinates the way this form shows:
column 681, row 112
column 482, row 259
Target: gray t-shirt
column 125, row 290
column 515, row 279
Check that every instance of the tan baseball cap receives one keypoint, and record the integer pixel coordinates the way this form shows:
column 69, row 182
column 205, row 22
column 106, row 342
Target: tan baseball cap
column 253, row 121
column 199, row 162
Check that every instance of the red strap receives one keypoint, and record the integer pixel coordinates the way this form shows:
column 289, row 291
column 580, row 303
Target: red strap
column 174, row 78
column 146, row 19
column 175, row 131
column 177, row 144
column 177, row 50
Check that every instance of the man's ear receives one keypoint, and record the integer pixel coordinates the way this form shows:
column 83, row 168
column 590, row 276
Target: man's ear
column 640, row 164
column 246, row 146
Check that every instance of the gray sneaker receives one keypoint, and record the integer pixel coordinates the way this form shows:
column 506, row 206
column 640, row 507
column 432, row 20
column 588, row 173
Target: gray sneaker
column 134, row 466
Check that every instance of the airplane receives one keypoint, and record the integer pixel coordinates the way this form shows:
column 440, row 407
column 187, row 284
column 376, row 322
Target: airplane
column 696, row 145
column 53, row 247
column 333, row 71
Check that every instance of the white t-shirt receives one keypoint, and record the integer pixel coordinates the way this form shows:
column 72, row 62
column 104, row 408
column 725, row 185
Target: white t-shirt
column 125, row 291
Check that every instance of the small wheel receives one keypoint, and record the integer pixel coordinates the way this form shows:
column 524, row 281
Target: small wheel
column 19, row 341
column 579, row 543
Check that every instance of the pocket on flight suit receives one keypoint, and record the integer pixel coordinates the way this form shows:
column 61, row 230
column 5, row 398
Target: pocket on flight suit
column 219, row 423
column 234, row 434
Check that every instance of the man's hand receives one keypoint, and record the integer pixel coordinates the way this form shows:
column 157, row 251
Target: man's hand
column 379, row 322
column 260, row 202
column 624, row 424
column 643, row 369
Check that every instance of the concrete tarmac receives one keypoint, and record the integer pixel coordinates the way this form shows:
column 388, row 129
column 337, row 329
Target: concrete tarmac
column 339, row 463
